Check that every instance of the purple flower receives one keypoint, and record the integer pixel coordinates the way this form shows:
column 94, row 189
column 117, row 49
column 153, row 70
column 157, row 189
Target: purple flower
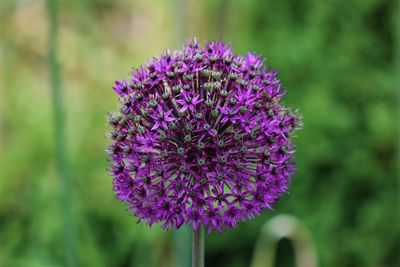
column 161, row 118
column 146, row 142
column 188, row 101
column 201, row 138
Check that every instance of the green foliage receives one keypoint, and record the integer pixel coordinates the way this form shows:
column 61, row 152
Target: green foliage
column 335, row 58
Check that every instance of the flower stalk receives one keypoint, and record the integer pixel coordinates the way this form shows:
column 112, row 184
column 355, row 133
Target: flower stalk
column 60, row 139
column 198, row 247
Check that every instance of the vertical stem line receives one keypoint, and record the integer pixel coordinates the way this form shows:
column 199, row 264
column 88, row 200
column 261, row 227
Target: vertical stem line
column 180, row 21
column 222, row 16
column 198, row 247
column 60, row 147
column 396, row 23
column 182, row 237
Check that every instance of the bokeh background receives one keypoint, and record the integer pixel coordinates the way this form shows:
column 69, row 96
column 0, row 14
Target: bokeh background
column 339, row 61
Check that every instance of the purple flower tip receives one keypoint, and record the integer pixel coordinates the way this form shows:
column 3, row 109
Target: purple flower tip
column 200, row 138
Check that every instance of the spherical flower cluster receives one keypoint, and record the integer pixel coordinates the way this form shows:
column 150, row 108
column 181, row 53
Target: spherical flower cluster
column 200, row 138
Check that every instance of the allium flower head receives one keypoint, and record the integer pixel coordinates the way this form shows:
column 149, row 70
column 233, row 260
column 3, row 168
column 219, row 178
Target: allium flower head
column 200, row 138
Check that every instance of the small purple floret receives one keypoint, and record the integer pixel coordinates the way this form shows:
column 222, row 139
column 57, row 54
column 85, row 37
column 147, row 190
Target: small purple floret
column 201, row 138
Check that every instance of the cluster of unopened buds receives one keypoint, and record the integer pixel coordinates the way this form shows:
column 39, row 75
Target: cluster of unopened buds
column 200, row 138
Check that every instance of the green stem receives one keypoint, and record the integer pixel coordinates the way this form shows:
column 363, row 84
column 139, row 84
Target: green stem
column 222, row 13
column 182, row 237
column 198, row 247
column 180, row 21
column 182, row 240
column 60, row 148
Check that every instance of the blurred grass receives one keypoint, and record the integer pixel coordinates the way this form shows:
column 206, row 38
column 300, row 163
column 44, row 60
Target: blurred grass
column 337, row 59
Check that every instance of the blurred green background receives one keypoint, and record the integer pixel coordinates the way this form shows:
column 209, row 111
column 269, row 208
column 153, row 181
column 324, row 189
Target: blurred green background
column 338, row 60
